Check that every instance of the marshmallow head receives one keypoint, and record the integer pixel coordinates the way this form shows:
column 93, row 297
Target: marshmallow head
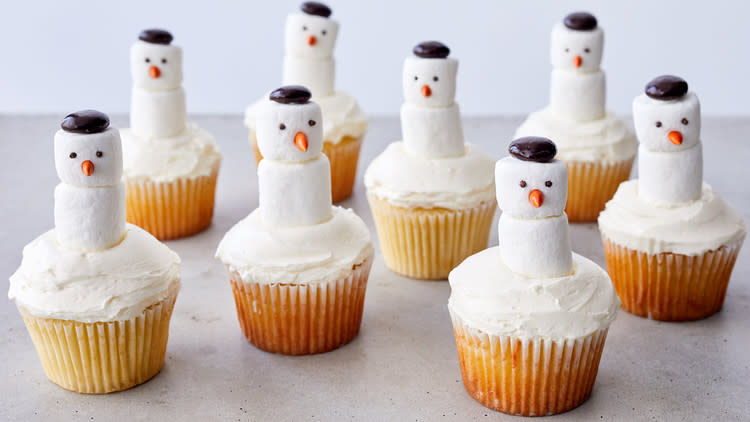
column 577, row 43
column 310, row 35
column 289, row 126
column 667, row 117
column 88, row 153
column 155, row 65
column 429, row 78
column 530, row 183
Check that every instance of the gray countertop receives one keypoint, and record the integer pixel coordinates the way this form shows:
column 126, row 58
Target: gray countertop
column 403, row 364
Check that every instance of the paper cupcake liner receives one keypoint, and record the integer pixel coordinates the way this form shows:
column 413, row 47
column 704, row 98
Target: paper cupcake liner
column 301, row 319
column 102, row 357
column 344, row 157
column 669, row 286
column 170, row 210
column 591, row 185
column 429, row 243
column 528, row 377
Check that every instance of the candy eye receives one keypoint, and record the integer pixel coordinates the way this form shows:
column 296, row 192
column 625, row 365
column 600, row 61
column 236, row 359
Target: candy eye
column 548, row 183
column 587, row 50
column 435, row 78
column 282, row 126
column 99, row 154
column 73, row 155
column 685, row 122
column 523, row 183
column 416, row 78
column 304, row 28
column 164, row 61
column 311, row 122
column 324, row 32
column 658, row 124
column 148, row 60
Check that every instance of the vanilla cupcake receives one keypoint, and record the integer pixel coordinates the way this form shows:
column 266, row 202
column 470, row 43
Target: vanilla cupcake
column 96, row 294
column 597, row 147
column 530, row 317
column 171, row 166
column 298, row 266
column 310, row 40
column 432, row 194
column 670, row 240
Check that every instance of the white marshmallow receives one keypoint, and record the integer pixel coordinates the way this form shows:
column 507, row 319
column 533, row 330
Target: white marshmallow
column 73, row 149
column 578, row 96
column 316, row 75
column 156, row 67
column 279, row 144
column 655, row 119
column 670, row 176
column 159, row 114
column 310, row 36
column 89, row 218
column 514, row 200
column 538, row 248
column 294, row 194
column 438, row 75
column 567, row 44
column 432, row 132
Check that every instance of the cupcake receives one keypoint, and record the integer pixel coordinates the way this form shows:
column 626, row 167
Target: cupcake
column 170, row 166
column 670, row 240
column 530, row 317
column 96, row 293
column 310, row 39
column 597, row 147
column 297, row 265
column 431, row 195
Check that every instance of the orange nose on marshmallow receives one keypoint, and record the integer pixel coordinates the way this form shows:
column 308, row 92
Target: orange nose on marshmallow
column 87, row 167
column 536, row 198
column 577, row 61
column 300, row 139
column 311, row 40
column 426, row 91
column 675, row 137
column 154, row 72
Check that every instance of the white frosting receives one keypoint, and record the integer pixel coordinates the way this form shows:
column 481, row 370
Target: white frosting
column 157, row 114
column 410, row 181
column 655, row 119
column 193, row 153
column 316, row 253
column 488, row 296
column 310, row 36
column 514, row 199
column 430, row 82
column 280, row 126
column 577, row 96
column 670, row 176
column 689, row 228
column 567, row 44
column 432, row 132
column 607, row 140
column 156, row 67
column 109, row 285
column 316, row 75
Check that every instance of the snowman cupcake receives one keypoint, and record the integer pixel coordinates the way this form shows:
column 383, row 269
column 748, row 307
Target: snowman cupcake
column 597, row 147
column 96, row 294
column 431, row 194
column 530, row 317
column 670, row 240
column 170, row 165
column 310, row 40
column 298, row 266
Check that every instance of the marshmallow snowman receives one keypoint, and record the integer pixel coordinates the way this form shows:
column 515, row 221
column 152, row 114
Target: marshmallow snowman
column 532, row 189
column 667, row 120
column 430, row 118
column 158, row 99
column 310, row 38
column 90, row 200
column 294, row 178
column 577, row 84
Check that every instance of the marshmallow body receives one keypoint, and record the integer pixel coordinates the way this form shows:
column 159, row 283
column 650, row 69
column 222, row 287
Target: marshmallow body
column 576, row 50
column 157, row 114
column 102, row 151
column 432, row 132
column 294, row 194
column 516, row 179
column 89, row 218
column 578, row 96
column 430, row 82
column 655, row 119
column 670, row 176
column 156, row 67
column 535, row 247
column 310, row 36
column 317, row 75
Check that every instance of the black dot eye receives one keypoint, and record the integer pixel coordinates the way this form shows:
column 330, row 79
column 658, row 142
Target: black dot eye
column 567, row 49
column 685, row 122
column 416, row 78
column 148, row 60
column 587, row 50
column 164, row 61
column 73, row 155
column 522, row 184
column 435, row 78
column 548, row 183
column 304, row 28
column 99, row 154
column 324, row 32
column 311, row 122
column 282, row 126
column 658, row 124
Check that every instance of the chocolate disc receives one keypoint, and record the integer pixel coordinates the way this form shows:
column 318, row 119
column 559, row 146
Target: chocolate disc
column 431, row 50
column 85, row 121
column 291, row 94
column 667, row 87
column 315, row 8
column 155, row 36
column 533, row 148
column 580, row 21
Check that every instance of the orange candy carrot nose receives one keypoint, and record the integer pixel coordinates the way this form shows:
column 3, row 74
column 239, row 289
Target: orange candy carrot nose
column 87, row 167
column 426, row 91
column 311, row 40
column 536, row 198
column 577, row 61
column 154, row 72
column 300, row 139
column 675, row 137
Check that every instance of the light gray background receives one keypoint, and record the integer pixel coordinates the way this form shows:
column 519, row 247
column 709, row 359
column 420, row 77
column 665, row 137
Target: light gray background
column 59, row 56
